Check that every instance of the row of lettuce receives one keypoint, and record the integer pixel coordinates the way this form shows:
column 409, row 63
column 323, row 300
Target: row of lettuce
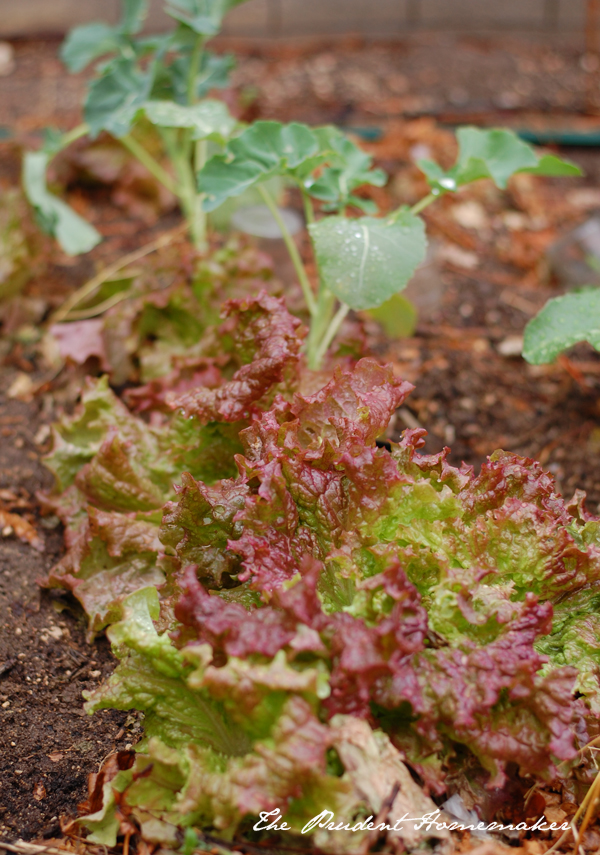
column 306, row 615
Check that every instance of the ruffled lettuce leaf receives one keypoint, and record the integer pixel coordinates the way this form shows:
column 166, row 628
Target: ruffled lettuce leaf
column 485, row 557
column 223, row 743
column 265, row 340
column 330, row 584
column 112, row 465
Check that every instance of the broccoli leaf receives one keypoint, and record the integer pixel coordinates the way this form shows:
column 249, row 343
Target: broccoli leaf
column 263, row 150
column 133, row 16
column 563, row 322
column 497, row 154
column 88, row 42
column 366, row 261
column 114, row 98
column 208, row 120
column 55, row 216
column 349, row 167
column 204, row 17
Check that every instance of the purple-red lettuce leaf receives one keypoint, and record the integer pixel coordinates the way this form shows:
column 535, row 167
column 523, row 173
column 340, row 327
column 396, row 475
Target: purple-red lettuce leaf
column 226, row 742
column 381, row 657
column 108, row 459
column 265, row 340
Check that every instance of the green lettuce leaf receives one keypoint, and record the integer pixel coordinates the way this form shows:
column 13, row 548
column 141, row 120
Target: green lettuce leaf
column 228, row 742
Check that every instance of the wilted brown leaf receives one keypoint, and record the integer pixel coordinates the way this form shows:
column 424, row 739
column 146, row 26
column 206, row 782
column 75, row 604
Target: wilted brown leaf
column 10, row 523
column 39, row 791
column 81, row 339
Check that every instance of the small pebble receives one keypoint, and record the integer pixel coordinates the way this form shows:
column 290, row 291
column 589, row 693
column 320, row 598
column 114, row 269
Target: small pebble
column 7, row 59
column 42, row 434
column 512, row 345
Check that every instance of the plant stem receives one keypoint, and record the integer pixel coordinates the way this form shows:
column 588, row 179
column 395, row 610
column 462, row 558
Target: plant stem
column 75, row 134
column 195, row 60
column 152, row 165
column 309, row 214
column 199, row 213
column 195, row 157
column 317, row 358
column 110, row 271
column 70, row 137
column 292, row 249
column 319, row 323
column 425, row 201
column 186, row 189
column 192, row 202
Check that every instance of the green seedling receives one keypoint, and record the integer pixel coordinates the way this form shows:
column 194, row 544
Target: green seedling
column 161, row 79
column 362, row 262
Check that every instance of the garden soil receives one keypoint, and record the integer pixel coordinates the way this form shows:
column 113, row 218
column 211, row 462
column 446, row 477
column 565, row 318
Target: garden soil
column 473, row 391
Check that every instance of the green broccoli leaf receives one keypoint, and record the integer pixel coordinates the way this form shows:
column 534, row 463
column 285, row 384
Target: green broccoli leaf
column 54, row 216
column 497, row 154
column 204, row 17
column 551, row 165
column 349, row 167
column 397, row 316
column 365, row 261
column 172, row 81
column 263, row 150
column 208, row 120
column 88, row 42
column 133, row 16
column 114, row 98
column 563, row 322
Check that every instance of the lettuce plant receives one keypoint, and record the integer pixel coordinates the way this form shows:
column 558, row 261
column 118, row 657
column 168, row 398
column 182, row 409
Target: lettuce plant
column 334, row 618
column 114, row 471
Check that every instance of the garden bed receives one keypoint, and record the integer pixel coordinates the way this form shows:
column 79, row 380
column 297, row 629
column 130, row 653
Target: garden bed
column 473, row 392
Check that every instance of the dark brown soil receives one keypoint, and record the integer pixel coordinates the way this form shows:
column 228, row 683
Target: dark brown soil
column 49, row 744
